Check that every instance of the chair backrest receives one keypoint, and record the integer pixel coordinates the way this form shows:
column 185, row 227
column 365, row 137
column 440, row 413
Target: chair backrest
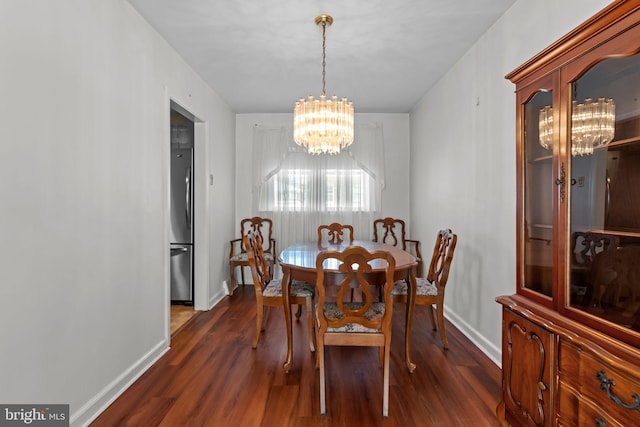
column 616, row 274
column 334, row 233
column 262, row 226
column 257, row 262
column 349, row 268
column 442, row 257
column 586, row 245
column 390, row 231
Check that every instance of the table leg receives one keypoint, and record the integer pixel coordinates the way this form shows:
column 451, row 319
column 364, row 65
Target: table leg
column 286, row 274
column 409, row 320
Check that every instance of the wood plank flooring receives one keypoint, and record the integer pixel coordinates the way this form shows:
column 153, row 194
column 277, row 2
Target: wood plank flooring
column 212, row 377
column 180, row 315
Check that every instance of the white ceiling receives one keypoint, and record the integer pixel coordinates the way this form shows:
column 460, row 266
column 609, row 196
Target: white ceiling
column 261, row 56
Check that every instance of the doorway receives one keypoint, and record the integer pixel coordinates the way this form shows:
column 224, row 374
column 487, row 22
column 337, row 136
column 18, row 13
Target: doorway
column 182, row 249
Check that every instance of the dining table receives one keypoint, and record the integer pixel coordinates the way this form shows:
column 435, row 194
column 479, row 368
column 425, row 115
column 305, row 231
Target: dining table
column 298, row 262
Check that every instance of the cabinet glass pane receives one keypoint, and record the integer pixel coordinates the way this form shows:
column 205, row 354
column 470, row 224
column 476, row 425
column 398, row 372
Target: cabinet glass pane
column 605, row 192
column 538, row 197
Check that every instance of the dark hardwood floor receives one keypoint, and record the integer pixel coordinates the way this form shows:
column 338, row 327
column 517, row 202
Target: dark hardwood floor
column 212, row 377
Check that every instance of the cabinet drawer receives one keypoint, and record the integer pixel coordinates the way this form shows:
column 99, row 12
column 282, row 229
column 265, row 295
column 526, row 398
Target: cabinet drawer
column 576, row 410
column 590, row 415
column 581, row 373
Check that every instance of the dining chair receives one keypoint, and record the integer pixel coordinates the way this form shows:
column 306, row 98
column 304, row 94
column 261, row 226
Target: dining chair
column 334, row 233
column 392, row 232
column 585, row 245
column 615, row 276
column 269, row 291
column 238, row 250
column 430, row 289
column 342, row 322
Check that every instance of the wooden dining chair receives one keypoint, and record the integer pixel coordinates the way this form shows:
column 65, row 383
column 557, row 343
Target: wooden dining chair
column 342, row 322
column 269, row 291
column 392, row 232
column 585, row 245
column 430, row 289
column 334, row 233
column 238, row 250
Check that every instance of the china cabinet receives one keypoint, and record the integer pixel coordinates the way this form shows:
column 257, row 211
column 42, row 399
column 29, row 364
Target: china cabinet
column 571, row 332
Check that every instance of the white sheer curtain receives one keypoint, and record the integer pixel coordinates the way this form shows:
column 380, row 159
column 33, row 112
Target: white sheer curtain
column 299, row 191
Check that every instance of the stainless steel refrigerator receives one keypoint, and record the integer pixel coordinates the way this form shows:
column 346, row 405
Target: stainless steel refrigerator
column 181, row 233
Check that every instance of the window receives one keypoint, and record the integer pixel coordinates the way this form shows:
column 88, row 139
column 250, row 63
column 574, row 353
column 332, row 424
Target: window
column 299, row 191
column 329, row 190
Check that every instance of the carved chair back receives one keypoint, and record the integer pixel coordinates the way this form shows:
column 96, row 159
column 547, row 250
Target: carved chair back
column 390, row 231
column 263, row 226
column 442, row 256
column 334, row 233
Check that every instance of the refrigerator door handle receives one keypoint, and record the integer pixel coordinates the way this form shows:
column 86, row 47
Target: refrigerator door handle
column 178, row 251
column 188, row 197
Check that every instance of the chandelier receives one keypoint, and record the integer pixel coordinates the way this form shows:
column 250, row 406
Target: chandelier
column 592, row 125
column 323, row 125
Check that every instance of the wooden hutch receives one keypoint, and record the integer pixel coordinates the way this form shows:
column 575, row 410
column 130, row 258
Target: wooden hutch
column 571, row 332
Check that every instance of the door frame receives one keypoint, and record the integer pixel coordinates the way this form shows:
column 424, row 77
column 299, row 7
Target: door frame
column 200, row 208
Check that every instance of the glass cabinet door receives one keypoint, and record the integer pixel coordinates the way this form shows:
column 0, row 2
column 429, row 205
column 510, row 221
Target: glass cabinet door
column 604, row 231
column 537, row 203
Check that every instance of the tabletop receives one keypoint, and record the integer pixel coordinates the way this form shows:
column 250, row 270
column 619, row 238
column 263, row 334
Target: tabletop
column 303, row 255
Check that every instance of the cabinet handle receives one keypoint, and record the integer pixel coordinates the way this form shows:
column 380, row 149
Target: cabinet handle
column 606, row 384
column 542, row 386
column 600, row 422
column 560, row 181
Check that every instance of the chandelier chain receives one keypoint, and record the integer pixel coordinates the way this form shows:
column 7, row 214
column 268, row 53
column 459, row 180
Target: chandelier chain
column 324, row 56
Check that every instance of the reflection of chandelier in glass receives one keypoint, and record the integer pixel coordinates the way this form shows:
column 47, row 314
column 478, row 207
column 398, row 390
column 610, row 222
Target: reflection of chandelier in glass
column 592, row 125
column 323, row 125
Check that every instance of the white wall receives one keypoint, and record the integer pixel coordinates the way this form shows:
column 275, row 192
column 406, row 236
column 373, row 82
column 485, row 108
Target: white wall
column 395, row 196
column 463, row 161
column 84, row 117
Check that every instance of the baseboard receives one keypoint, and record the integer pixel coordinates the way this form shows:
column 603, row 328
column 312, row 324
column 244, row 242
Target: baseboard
column 100, row 402
column 227, row 289
column 218, row 296
column 487, row 347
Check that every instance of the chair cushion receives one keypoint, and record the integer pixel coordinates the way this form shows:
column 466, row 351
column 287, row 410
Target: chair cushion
column 424, row 287
column 298, row 289
column 333, row 313
column 243, row 257
column 240, row 257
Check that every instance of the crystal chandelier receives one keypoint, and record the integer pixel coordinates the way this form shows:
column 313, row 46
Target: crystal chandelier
column 592, row 125
column 323, row 125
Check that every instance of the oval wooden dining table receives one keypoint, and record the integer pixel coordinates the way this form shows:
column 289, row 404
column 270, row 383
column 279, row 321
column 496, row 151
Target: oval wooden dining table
column 298, row 262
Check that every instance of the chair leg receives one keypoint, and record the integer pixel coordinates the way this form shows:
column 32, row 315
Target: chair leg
column 385, row 391
column 310, row 328
column 320, row 355
column 432, row 317
column 267, row 310
column 242, row 273
column 299, row 312
column 259, row 326
column 443, row 334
